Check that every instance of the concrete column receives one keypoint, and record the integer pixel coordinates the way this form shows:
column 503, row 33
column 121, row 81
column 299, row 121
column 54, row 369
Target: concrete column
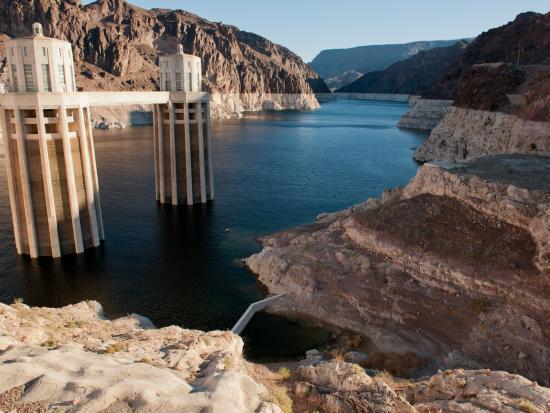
column 91, row 150
column 160, row 139
column 11, row 181
column 173, row 164
column 26, row 185
column 201, row 151
column 209, row 151
column 88, row 177
column 156, row 151
column 188, row 169
column 71, row 183
column 48, row 186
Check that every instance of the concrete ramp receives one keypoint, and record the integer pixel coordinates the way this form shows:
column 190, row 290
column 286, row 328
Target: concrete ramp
column 253, row 309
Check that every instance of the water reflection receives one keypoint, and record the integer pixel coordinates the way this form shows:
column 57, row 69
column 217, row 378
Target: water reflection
column 177, row 265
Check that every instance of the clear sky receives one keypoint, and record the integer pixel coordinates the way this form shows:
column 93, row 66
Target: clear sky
column 309, row 26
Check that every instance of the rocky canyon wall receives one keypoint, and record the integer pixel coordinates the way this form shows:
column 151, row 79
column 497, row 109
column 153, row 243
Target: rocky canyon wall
column 425, row 114
column 454, row 266
column 468, row 133
column 116, row 47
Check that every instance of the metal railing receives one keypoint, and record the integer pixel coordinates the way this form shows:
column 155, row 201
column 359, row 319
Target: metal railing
column 253, row 309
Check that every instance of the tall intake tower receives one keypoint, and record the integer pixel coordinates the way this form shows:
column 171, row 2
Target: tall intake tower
column 183, row 137
column 50, row 158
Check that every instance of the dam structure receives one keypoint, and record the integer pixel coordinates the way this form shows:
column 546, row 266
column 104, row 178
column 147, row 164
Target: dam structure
column 49, row 146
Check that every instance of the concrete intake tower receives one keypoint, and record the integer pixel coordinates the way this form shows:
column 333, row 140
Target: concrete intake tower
column 49, row 147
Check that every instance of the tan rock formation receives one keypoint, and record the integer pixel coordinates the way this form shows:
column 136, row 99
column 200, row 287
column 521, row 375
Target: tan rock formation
column 343, row 387
column 467, row 134
column 336, row 387
column 425, row 114
column 73, row 359
column 454, row 266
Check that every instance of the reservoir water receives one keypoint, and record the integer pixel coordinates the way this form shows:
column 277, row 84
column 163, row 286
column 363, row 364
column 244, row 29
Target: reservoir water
column 179, row 265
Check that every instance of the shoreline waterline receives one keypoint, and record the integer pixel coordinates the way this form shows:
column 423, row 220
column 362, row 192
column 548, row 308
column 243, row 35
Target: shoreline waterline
column 176, row 265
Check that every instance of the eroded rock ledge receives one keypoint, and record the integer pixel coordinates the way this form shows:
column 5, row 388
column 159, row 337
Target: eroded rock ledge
column 465, row 134
column 456, row 265
column 73, row 359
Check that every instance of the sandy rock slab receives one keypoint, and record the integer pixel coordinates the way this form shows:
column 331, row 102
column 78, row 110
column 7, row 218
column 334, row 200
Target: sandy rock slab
column 337, row 387
column 73, row 359
column 454, row 267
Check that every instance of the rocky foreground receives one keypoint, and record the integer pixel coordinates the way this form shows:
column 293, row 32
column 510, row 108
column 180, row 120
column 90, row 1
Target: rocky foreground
column 455, row 266
column 73, row 359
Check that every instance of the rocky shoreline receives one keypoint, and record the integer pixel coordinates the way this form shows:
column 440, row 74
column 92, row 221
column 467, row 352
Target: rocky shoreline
column 454, row 265
column 469, row 133
column 223, row 106
column 425, row 114
column 73, row 359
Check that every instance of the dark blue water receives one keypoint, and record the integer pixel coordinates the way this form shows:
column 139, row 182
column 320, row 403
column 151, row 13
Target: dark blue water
column 178, row 265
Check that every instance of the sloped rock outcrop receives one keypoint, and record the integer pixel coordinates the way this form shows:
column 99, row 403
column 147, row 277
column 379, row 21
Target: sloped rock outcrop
column 74, row 359
column 425, row 114
column 341, row 387
column 454, row 266
column 499, row 109
column 465, row 134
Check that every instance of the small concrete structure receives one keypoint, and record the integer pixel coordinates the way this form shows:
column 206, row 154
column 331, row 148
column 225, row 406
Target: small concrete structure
column 49, row 148
column 40, row 64
column 183, row 137
column 180, row 72
column 253, row 309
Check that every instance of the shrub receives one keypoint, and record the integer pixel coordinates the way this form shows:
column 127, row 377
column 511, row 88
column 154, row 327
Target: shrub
column 533, row 146
column 228, row 363
column 279, row 396
column 357, row 369
column 285, row 373
column 526, row 406
column 75, row 324
column 397, row 364
column 387, row 378
column 337, row 355
column 117, row 347
column 49, row 343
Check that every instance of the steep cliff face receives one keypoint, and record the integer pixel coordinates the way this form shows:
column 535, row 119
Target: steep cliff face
column 524, row 41
column 454, row 266
column 499, row 109
column 412, row 75
column 116, row 46
column 468, row 133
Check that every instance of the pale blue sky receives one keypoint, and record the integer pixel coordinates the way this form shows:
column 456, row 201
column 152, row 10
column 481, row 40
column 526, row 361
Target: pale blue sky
column 308, row 26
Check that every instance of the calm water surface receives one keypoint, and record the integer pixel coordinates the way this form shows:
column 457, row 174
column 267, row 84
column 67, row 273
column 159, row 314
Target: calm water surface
column 179, row 265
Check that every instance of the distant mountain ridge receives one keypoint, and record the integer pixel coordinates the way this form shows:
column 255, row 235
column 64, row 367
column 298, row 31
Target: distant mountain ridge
column 410, row 76
column 340, row 63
